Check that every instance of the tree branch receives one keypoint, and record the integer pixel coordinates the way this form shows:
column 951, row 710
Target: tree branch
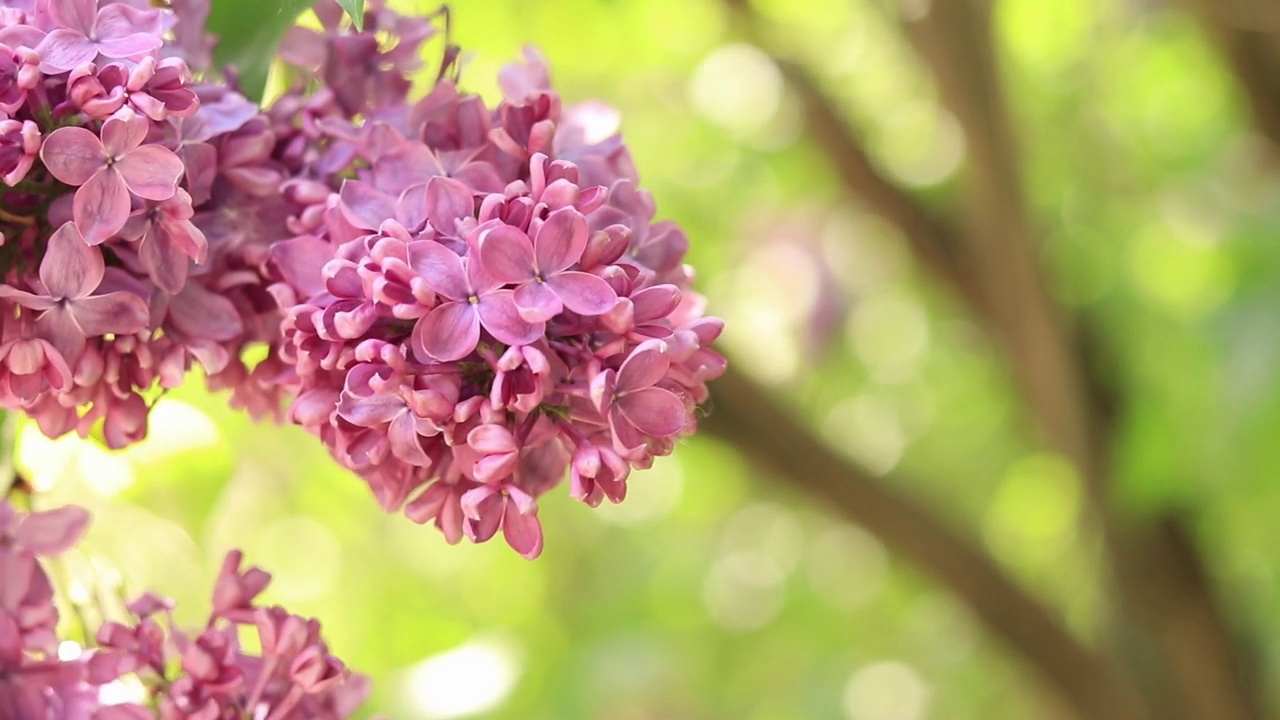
column 755, row 424
column 1245, row 32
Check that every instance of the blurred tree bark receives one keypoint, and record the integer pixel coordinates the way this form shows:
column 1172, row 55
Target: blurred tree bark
column 1172, row 653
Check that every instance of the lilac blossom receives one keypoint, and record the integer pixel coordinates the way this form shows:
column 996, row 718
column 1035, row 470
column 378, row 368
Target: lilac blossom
column 107, row 170
column 82, row 30
column 185, row 675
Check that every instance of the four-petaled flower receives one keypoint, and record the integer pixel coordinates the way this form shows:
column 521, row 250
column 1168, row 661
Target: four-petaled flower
column 116, row 30
column 69, row 274
column 541, row 267
column 633, row 406
column 107, row 170
column 452, row 330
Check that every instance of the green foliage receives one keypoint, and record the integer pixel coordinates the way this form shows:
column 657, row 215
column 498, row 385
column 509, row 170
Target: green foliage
column 249, row 32
column 355, row 9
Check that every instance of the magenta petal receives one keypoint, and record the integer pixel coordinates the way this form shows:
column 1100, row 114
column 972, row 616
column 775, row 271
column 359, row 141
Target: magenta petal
column 440, row 267
column 164, row 262
column 301, row 261
column 63, row 334
column 522, row 532
column 118, row 20
column 303, row 47
column 447, row 202
column 101, row 206
column 654, row 411
column 536, row 302
column 198, row 313
column 371, row 412
column 120, row 134
column 560, row 241
column 73, row 155
column 490, row 438
column 366, row 206
column 449, row 332
column 52, row 531
column 63, row 50
column 129, row 46
column 502, row 319
column 151, row 172
column 71, row 269
column 583, row 293
column 656, row 302
column 26, row 299
column 81, row 15
column 647, row 365
column 121, row 313
column 405, row 442
column 507, row 254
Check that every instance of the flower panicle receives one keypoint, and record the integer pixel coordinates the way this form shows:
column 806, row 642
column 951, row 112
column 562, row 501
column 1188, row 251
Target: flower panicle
column 291, row 675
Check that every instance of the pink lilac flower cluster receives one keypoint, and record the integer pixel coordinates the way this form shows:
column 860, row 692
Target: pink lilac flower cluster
column 117, row 270
column 205, row 676
column 477, row 300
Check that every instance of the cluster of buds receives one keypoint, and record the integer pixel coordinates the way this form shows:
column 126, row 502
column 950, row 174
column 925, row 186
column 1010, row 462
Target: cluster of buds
column 476, row 300
column 119, row 270
column 180, row 676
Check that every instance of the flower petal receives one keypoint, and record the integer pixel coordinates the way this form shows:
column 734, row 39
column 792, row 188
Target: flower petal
column 124, row 132
column 163, row 261
column 654, row 411
column 537, row 302
column 63, row 334
column 490, row 438
column 70, row 268
column 73, row 155
column 101, row 206
column 128, row 46
column 507, row 254
column 80, row 15
column 197, row 313
column 366, row 206
column 560, row 241
column 63, row 50
column 121, row 313
column 151, row 172
column 523, row 532
column 583, row 293
column 500, row 317
column 440, row 267
column 53, row 531
column 645, row 366
column 406, row 444
column 449, row 332
column 447, row 202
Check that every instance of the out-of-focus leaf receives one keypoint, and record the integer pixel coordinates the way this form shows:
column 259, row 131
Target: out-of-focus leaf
column 354, row 8
column 249, row 32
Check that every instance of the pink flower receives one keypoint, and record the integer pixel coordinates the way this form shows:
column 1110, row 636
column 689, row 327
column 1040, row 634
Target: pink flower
column 108, row 170
column 505, row 506
column 83, row 31
column 69, row 311
column 541, row 268
column 475, row 300
column 155, row 90
column 19, row 144
column 168, row 241
column 634, row 407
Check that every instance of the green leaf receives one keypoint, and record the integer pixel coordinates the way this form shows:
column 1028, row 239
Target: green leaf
column 354, row 8
column 249, row 33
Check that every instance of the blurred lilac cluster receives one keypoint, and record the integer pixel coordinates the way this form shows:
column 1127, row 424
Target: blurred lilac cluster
column 176, row 676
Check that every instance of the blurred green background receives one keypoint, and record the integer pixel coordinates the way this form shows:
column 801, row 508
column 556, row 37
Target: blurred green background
column 718, row 592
